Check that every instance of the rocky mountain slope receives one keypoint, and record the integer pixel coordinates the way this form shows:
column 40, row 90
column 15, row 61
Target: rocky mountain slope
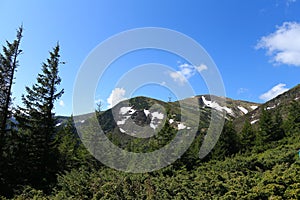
column 152, row 113
column 279, row 104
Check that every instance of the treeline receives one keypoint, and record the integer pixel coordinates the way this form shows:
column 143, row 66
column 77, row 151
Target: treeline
column 40, row 160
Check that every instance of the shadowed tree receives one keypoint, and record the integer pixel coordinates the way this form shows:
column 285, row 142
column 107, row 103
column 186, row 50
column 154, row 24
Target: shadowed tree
column 37, row 123
column 247, row 137
column 8, row 67
column 8, row 139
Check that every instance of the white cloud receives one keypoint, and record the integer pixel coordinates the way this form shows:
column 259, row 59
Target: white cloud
column 274, row 92
column 117, row 95
column 201, row 68
column 178, row 77
column 62, row 103
column 185, row 72
column 284, row 44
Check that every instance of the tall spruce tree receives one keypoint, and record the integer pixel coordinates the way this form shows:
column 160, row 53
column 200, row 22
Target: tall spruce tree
column 37, row 122
column 264, row 134
column 228, row 143
column 292, row 123
column 247, row 137
column 277, row 126
column 8, row 67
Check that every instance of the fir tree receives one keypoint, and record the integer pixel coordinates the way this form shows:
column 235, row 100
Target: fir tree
column 247, row 136
column 277, row 127
column 8, row 67
column 68, row 146
column 228, row 143
column 265, row 127
column 292, row 124
column 37, row 122
column 9, row 141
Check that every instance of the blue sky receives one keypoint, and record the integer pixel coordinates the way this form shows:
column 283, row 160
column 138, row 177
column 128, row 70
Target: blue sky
column 255, row 44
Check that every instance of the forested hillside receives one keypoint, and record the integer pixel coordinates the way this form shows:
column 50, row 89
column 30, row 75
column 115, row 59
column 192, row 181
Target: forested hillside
column 42, row 157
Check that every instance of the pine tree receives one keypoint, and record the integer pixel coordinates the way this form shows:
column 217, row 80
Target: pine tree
column 247, row 136
column 8, row 139
column 37, row 122
column 277, row 127
column 292, row 123
column 8, row 67
column 270, row 127
column 67, row 144
column 228, row 143
column 265, row 128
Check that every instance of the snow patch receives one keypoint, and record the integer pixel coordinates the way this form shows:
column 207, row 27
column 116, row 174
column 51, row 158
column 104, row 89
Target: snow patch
column 254, row 121
column 58, row 124
column 272, row 107
column 153, row 125
column 157, row 115
column 82, row 121
column 171, row 121
column 147, row 112
column 121, row 122
column 253, row 107
column 244, row 110
column 216, row 106
column 131, row 111
column 181, row 126
column 122, row 130
column 124, row 110
column 297, row 98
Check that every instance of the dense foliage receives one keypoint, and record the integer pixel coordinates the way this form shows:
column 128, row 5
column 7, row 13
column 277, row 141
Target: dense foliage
column 40, row 160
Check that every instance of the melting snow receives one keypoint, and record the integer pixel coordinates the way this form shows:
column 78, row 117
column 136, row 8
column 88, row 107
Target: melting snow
column 147, row 112
column 269, row 108
column 124, row 110
column 253, row 107
column 131, row 111
column 216, row 106
column 244, row 110
column 181, row 126
column 157, row 115
column 122, row 121
column 171, row 121
column 254, row 121
column 122, row 130
column 153, row 125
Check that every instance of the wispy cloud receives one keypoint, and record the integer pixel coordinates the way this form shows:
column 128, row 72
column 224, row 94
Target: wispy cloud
column 289, row 2
column 283, row 45
column 117, row 95
column 62, row 103
column 185, row 72
column 242, row 91
column 274, row 92
column 201, row 68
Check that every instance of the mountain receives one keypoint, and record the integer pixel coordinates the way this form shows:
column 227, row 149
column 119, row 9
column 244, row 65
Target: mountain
column 279, row 104
column 152, row 113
